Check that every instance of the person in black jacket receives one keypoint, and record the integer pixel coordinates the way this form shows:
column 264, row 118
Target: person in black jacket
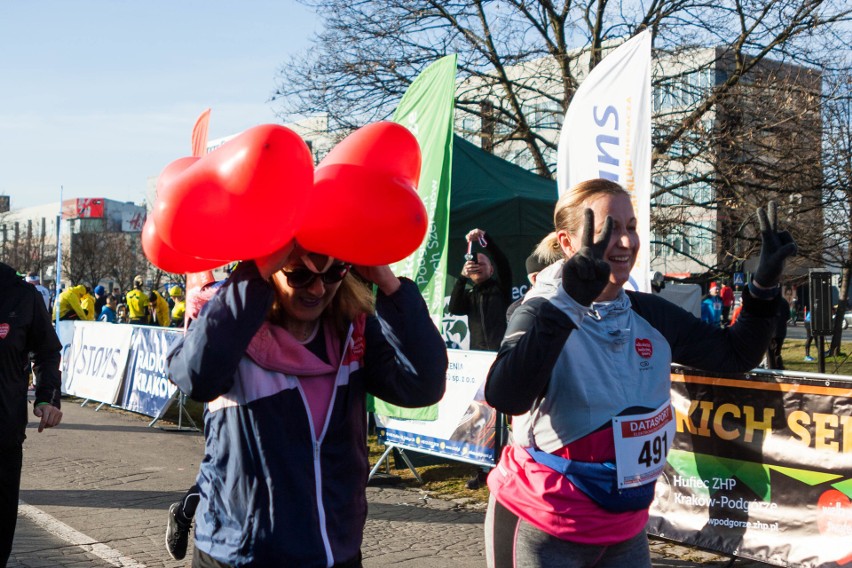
column 486, row 302
column 534, row 264
column 779, row 333
column 25, row 335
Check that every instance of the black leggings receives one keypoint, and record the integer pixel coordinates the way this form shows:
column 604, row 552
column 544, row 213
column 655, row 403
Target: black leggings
column 11, row 460
column 511, row 542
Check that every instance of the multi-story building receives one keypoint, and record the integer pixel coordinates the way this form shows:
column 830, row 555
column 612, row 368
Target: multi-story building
column 762, row 140
column 98, row 239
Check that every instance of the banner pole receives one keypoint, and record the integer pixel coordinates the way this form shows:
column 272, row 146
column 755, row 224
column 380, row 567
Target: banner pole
column 58, row 258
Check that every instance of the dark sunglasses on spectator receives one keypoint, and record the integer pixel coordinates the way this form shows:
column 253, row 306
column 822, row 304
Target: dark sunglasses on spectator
column 303, row 277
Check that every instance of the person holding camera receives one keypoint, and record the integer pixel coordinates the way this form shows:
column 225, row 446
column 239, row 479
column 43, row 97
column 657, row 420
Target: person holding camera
column 486, row 301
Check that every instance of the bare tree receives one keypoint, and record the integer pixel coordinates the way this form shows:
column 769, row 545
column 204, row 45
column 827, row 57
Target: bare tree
column 761, row 142
column 80, row 259
column 838, row 189
column 122, row 258
column 22, row 245
column 520, row 63
column 370, row 51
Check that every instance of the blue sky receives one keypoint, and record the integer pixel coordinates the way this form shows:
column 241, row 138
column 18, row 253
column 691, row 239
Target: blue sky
column 97, row 96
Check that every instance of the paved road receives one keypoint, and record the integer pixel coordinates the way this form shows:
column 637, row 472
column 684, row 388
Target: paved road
column 95, row 492
column 798, row 332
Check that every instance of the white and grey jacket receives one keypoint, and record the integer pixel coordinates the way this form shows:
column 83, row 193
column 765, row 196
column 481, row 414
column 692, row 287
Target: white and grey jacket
column 565, row 370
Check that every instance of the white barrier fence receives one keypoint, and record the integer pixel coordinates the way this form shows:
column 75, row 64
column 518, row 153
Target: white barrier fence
column 119, row 364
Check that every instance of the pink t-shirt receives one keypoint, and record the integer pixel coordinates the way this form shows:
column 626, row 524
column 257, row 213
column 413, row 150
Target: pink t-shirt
column 273, row 348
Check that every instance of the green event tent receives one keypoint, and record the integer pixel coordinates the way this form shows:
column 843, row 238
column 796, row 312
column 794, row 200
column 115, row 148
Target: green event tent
column 506, row 201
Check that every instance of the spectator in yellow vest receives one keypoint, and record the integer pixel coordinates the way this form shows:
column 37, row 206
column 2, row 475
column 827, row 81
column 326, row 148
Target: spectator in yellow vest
column 179, row 309
column 158, row 307
column 137, row 303
column 68, row 304
column 88, row 303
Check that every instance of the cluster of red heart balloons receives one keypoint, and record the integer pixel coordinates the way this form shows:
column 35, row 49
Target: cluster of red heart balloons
column 258, row 191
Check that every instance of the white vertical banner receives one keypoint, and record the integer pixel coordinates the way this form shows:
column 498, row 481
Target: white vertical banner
column 607, row 134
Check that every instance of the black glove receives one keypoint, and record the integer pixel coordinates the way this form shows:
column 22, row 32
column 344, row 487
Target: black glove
column 777, row 246
column 586, row 273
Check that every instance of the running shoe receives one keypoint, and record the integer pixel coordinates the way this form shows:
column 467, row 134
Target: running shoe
column 177, row 532
column 808, row 358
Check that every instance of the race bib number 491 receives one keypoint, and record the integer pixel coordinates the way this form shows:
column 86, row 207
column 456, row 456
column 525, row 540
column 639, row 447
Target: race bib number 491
column 642, row 442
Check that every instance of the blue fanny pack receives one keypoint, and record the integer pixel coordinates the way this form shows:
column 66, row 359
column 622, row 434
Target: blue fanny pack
column 598, row 481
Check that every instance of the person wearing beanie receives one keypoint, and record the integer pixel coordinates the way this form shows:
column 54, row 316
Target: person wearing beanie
column 534, row 264
column 100, row 299
column 711, row 306
column 179, row 309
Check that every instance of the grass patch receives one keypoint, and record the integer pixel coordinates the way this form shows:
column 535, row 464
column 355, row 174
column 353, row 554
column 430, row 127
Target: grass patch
column 793, row 354
column 447, row 479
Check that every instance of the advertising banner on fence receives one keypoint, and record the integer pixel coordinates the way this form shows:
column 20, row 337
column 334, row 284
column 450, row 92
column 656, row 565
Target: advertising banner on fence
column 147, row 388
column 761, row 468
column 96, row 360
column 465, row 427
column 65, row 332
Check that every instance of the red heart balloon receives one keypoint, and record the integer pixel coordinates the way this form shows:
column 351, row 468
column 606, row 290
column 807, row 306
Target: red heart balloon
column 383, row 146
column 240, row 201
column 166, row 258
column 170, row 172
column 364, row 207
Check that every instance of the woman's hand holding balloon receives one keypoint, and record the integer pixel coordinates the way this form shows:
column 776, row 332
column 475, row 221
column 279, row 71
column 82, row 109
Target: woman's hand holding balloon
column 272, row 263
column 382, row 276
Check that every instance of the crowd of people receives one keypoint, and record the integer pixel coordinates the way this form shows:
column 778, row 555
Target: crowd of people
column 80, row 302
column 296, row 341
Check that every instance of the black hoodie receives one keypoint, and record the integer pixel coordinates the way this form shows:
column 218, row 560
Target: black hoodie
column 25, row 330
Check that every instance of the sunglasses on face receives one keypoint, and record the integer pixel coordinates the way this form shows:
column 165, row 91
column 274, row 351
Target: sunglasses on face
column 303, row 277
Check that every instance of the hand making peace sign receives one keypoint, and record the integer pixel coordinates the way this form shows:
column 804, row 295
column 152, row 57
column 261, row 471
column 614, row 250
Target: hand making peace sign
column 586, row 273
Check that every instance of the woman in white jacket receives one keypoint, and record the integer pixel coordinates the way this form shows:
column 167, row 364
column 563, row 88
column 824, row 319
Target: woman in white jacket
column 582, row 358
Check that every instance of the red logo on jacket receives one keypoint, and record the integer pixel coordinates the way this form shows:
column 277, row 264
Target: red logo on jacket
column 644, row 348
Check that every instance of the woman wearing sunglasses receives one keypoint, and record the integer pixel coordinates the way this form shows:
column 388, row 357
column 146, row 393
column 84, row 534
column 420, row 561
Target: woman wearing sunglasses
column 285, row 354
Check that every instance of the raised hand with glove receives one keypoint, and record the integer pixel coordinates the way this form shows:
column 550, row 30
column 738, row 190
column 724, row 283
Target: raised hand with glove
column 776, row 247
column 585, row 274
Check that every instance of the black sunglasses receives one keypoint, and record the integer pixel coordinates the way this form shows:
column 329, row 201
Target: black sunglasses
column 303, row 278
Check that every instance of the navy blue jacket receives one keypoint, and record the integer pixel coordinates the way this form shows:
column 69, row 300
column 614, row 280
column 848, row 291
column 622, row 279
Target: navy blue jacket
column 276, row 489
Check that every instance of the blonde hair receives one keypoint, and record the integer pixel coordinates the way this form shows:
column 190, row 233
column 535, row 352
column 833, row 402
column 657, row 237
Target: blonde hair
column 569, row 214
column 352, row 299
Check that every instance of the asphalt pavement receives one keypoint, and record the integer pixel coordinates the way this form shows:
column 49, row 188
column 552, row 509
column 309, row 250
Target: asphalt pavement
column 797, row 331
column 95, row 493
